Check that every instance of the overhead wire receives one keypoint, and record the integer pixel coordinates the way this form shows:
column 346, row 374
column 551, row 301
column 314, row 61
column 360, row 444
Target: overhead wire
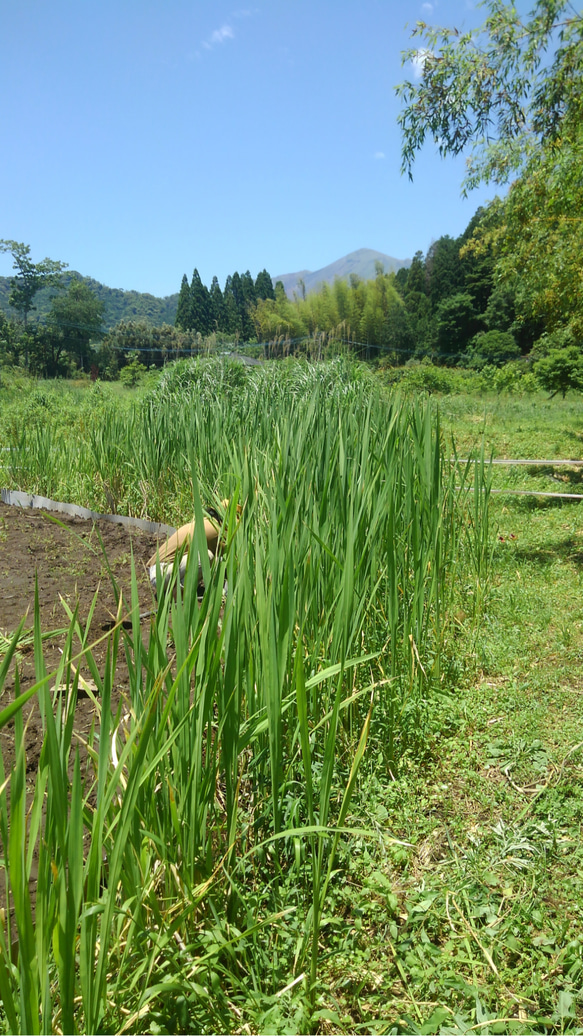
column 281, row 339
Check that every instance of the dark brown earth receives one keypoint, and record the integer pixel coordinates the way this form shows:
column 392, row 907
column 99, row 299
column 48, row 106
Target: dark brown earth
column 66, row 556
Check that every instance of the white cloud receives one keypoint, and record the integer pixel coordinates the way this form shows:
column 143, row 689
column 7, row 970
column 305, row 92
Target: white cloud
column 379, row 154
column 418, row 62
column 427, row 8
column 226, row 32
column 222, row 34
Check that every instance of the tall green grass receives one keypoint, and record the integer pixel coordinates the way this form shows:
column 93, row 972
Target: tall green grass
column 185, row 857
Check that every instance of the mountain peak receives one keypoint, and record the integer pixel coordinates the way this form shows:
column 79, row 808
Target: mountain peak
column 362, row 262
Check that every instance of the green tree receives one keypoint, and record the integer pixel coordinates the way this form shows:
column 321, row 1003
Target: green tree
column 264, row 286
column 478, row 263
column 510, row 92
column 341, row 293
column 443, row 269
column 492, row 347
column 106, row 360
column 29, row 280
column 30, row 277
column 500, row 313
column 200, row 306
column 217, row 306
column 10, row 341
column 132, row 373
column 505, row 90
column 183, row 311
column 401, row 278
column 399, row 336
column 248, row 300
column 75, row 321
column 155, row 345
column 456, row 323
column 416, row 276
column 422, row 324
column 238, row 299
column 540, row 240
column 48, row 357
column 561, row 370
column 232, row 320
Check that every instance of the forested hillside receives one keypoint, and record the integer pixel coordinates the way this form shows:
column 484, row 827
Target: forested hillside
column 118, row 304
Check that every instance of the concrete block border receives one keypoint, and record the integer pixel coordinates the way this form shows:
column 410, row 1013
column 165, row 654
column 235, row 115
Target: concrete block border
column 15, row 498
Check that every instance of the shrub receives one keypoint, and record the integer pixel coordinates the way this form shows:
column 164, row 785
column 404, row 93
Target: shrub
column 561, row 370
column 132, row 373
column 561, row 338
column 425, row 376
column 492, row 347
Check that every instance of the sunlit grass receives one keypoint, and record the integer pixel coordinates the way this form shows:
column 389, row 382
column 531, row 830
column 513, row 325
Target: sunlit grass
column 186, row 857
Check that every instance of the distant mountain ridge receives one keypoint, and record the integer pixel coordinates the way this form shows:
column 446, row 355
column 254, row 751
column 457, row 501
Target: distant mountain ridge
column 138, row 305
column 362, row 263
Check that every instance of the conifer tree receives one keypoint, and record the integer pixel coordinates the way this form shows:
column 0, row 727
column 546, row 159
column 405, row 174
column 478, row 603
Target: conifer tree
column 416, row 281
column 183, row 312
column 217, row 306
column 239, row 299
column 200, row 316
column 444, row 269
column 237, row 291
column 248, row 288
column 231, row 313
column 264, row 286
column 249, row 298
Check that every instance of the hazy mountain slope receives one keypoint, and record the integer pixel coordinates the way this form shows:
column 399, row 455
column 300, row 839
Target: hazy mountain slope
column 362, row 263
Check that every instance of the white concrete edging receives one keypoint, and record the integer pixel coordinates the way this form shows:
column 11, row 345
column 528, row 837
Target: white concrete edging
column 14, row 498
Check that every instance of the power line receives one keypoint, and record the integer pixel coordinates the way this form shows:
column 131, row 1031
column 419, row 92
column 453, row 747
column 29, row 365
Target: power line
column 195, row 350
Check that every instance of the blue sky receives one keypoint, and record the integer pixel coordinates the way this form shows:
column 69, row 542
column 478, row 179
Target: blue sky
column 142, row 138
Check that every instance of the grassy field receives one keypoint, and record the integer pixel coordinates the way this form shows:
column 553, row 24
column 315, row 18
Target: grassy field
column 490, row 895
column 357, row 809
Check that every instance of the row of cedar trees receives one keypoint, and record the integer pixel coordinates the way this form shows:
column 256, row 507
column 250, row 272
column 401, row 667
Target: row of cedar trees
column 209, row 311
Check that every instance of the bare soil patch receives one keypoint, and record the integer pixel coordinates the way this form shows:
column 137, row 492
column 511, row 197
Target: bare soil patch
column 66, row 557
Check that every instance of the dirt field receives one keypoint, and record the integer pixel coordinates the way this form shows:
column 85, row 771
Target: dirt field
column 66, row 555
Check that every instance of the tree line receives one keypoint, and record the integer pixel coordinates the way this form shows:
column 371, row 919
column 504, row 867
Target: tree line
column 72, row 336
column 448, row 306
column 229, row 311
column 72, row 324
